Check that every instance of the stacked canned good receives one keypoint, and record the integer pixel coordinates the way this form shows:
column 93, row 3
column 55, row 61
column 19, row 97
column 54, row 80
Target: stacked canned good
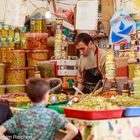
column 110, row 66
column 58, row 40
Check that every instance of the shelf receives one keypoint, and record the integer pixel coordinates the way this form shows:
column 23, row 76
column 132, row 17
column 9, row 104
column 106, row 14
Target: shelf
column 100, row 37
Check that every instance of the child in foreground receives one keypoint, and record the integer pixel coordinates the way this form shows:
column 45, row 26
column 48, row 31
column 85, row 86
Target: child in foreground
column 38, row 122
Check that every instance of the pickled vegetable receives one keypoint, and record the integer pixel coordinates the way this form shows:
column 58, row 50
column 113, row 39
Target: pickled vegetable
column 35, row 56
column 2, row 90
column 15, row 76
column 15, row 89
column 36, row 40
column 2, row 73
column 94, row 103
column 18, row 58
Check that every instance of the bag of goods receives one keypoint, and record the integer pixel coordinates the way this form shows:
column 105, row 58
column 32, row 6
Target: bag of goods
column 47, row 69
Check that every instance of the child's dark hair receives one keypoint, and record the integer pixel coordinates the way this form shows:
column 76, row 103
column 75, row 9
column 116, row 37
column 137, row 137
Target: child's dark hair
column 36, row 88
column 83, row 37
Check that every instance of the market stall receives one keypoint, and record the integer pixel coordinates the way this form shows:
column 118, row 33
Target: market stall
column 45, row 48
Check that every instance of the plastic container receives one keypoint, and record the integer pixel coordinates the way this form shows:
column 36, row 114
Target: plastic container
column 18, row 58
column 58, row 107
column 2, row 90
column 131, row 112
column 35, row 56
column 2, row 73
column 55, row 85
column 15, row 89
column 30, row 72
column 47, row 69
column 12, row 89
column 37, row 40
column 93, row 115
column 15, row 76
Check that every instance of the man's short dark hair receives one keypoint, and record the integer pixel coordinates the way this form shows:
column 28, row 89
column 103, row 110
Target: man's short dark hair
column 36, row 88
column 83, row 37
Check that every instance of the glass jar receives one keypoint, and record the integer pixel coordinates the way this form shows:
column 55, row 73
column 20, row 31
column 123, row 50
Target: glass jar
column 17, row 38
column 44, row 24
column 38, row 24
column 32, row 24
column 23, row 38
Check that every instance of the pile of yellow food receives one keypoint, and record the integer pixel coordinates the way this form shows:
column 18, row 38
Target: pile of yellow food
column 94, row 103
column 125, row 101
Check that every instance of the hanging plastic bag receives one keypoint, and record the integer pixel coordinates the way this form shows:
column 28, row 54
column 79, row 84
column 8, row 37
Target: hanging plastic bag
column 122, row 26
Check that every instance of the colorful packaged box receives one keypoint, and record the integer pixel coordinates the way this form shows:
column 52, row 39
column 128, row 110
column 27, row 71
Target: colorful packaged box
column 68, row 81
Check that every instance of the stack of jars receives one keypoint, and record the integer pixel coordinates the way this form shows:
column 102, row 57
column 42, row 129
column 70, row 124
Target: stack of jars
column 136, row 78
column 110, row 66
column 58, row 41
column 38, row 24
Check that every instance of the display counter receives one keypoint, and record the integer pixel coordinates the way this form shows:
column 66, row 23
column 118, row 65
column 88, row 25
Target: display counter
column 127, row 128
column 111, row 129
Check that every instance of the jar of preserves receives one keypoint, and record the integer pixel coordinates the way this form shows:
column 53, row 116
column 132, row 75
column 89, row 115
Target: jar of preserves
column 38, row 24
column 4, row 31
column 33, row 23
column 17, row 38
column 23, row 38
column 3, row 52
column 44, row 24
column 11, row 33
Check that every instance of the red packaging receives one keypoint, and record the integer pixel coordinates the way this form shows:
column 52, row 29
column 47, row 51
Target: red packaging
column 122, row 71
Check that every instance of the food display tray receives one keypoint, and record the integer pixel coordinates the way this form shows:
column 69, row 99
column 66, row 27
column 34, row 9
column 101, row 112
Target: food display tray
column 58, row 107
column 131, row 111
column 93, row 114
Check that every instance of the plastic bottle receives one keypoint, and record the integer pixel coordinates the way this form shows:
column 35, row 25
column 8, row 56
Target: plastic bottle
column 4, row 31
column 17, row 38
column 32, row 24
column 44, row 24
column 38, row 24
column 8, row 53
column 10, row 33
column 3, row 52
column 23, row 38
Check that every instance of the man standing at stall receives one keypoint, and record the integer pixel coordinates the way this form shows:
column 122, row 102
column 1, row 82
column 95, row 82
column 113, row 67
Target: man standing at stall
column 91, row 64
